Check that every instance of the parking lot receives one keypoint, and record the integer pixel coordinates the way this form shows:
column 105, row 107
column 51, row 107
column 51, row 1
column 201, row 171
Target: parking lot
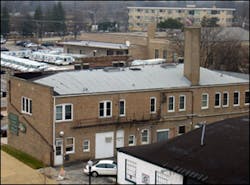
column 74, row 175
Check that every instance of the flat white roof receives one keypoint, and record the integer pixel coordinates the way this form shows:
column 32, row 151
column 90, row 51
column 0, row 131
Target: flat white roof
column 96, row 44
column 148, row 78
column 180, row 8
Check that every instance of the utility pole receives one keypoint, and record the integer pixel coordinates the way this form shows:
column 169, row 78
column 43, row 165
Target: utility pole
column 75, row 31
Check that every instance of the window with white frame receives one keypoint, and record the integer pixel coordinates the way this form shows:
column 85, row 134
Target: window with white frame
column 182, row 103
column 171, row 104
column 161, row 178
column 105, row 109
column 70, row 145
column 86, row 145
column 64, row 112
column 122, row 107
column 145, row 136
column 204, row 101
column 152, row 104
column 217, row 99
column 26, row 105
column 246, row 97
column 236, row 98
column 130, row 171
column 131, row 140
column 225, row 99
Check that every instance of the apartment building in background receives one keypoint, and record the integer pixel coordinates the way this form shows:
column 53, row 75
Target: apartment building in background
column 87, row 114
column 139, row 17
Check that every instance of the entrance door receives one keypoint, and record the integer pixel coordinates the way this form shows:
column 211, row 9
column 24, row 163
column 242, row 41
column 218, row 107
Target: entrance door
column 59, row 152
column 162, row 135
column 119, row 138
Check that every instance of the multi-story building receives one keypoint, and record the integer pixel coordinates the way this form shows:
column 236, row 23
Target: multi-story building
column 139, row 17
column 78, row 115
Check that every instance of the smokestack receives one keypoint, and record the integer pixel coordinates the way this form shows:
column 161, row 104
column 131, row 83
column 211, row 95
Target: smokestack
column 203, row 134
column 151, row 30
column 192, row 36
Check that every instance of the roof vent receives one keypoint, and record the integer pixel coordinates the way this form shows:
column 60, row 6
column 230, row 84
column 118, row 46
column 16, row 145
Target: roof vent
column 135, row 68
column 169, row 65
column 111, row 69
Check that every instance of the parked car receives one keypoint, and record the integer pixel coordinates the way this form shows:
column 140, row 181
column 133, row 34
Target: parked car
column 102, row 167
column 4, row 49
column 46, row 44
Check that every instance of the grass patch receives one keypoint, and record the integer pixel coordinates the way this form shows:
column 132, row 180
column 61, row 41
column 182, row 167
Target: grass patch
column 22, row 156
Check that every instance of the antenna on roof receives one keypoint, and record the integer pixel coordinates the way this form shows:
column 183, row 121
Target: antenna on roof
column 203, row 133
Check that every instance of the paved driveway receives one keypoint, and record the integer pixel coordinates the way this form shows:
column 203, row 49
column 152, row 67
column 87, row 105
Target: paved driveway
column 74, row 175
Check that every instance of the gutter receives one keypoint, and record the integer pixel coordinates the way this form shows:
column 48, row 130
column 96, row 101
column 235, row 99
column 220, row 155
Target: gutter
column 53, row 129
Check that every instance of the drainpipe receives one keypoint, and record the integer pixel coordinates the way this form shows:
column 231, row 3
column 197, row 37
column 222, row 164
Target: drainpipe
column 53, row 134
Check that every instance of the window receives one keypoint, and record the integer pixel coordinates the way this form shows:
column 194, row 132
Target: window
column 122, row 107
column 236, row 98
column 70, row 145
column 191, row 12
column 246, row 97
column 86, row 146
column 161, row 178
column 110, row 52
column 225, row 99
column 145, row 136
column 26, row 105
column 162, row 135
column 152, row 105
column 182, row 103
column 204, row 101
column 171, row 104
column 156, row 53
column 130, row 171
column 182, row 129
column 105, row 109
column 64, row 112
column 164, row 54
column 131, row 140
column 217, row 100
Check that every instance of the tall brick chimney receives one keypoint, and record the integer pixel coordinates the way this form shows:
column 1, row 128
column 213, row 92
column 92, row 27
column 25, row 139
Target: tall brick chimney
column 151, row 30
column 192, row 36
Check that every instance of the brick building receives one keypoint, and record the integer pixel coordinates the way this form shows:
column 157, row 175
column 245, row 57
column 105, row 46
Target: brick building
column 140, row 17
column 78, row 115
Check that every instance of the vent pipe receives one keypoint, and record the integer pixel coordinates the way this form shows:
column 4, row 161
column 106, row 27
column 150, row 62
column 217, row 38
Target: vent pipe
column 203, row 134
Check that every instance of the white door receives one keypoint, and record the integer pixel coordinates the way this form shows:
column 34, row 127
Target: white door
column 119, row 138
column 104, row 145
column 58, row 152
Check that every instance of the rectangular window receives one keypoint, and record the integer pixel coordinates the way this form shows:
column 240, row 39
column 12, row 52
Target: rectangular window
column 236, row 98
column 122, row 107
column 152, row 105
column 171, row 104
column 164, row 54
column 217, row 100
column 225, row 99
column 131, row 140
column 204, row 101
column 182, row 103
column 70, row 145
column 145, row 136
column 182, row 129
column 64, row 112
column 130, row 171
column 86, row 145
column 162, row 135
column 247, row 98
column 161, row 178
column 105, row 109
column 26, row 105
column 156, row 53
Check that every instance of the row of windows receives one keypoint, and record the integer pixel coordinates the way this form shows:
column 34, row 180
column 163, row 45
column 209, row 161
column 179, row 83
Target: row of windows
column 145, row 138
column 213, row 12
column 223, row 99
column 64, row 112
